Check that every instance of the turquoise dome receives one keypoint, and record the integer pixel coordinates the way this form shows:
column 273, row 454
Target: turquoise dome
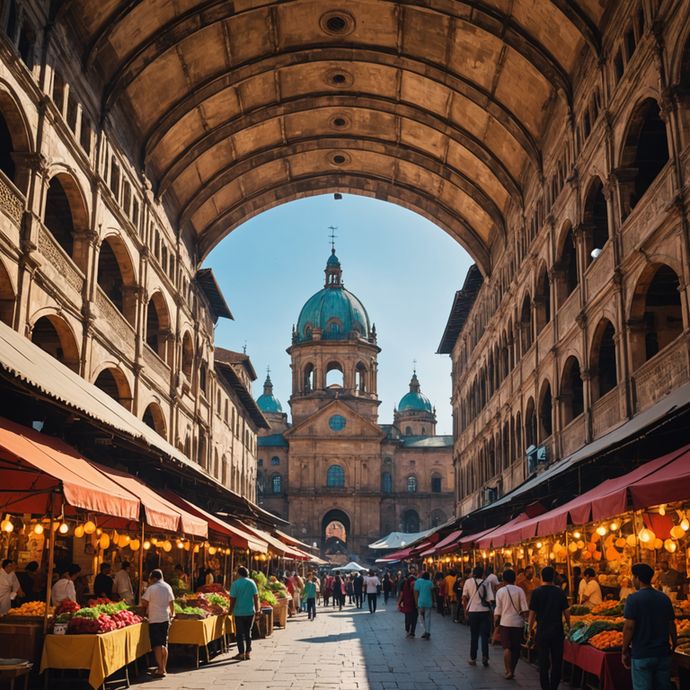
column 268, row 402
column 414, row 401
column 334, row 310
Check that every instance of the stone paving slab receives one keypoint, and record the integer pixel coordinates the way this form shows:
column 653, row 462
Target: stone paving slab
column 351, row 650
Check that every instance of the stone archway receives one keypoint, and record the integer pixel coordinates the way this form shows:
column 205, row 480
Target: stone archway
column 335, row 543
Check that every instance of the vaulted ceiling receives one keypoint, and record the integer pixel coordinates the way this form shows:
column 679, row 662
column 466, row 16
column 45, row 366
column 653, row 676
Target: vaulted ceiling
column 238, row 106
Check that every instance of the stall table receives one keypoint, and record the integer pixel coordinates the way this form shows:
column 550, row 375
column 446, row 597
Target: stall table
column 13, row 671
column 102, row 654
column 607, row 666
column 198, row 633
column 682, row 662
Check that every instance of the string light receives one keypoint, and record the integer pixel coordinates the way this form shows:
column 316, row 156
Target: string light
column 79, row 531
column 64, row 528
column 89, row 527
column 38, row 528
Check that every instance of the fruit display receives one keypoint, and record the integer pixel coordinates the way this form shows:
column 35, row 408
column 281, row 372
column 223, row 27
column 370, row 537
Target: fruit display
column 607, row 641
column 124, row 618
column 682, row 607
column 31, row 608
column 101, row 600
column 587, row 632
column 683, row 628
column 214, row 589
column 67, row 606
column 99, row 619
column 609, row 607
column 577, row 610
column 80, row 625
column 190, row 611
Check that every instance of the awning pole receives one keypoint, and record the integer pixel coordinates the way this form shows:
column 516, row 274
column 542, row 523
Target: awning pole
column 51, row 563
column 141, row 562
column 636, row 532
column 569, row 564
column 232, row 564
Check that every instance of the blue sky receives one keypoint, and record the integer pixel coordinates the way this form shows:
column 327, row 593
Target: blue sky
column 403, row 268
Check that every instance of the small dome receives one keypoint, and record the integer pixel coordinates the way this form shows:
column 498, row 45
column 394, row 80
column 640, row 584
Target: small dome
column 268, row 402
column 334, row 310
column 415, row 400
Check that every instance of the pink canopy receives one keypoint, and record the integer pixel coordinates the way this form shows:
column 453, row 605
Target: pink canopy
column 446, row 545
column 669, row 483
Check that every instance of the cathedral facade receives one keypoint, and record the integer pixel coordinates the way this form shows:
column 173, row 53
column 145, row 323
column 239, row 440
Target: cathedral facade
column 341, row 478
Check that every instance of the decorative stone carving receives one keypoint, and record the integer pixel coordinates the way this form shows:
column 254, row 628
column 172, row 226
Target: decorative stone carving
column 55, row 254
column 109, row 313
column 12, row 204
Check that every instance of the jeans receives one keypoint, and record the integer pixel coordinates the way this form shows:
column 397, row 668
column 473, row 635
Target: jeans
column 311, row 608
column 551, row 656
column 372, row 601
column 386, row 594
column 480, row 626
column 359, row 599
column 425, row 613
column 411, row 621
column 440, row 603
column 243, row 632
column 651, row 674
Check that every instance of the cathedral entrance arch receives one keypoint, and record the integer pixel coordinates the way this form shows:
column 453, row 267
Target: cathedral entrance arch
column 335, row 531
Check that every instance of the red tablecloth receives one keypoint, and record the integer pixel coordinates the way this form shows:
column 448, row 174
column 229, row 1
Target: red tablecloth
column 606, row 665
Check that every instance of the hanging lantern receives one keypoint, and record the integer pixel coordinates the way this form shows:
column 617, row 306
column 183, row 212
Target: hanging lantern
column 685, row 524
column 539, row 545
column 677, row 532
column 615, row 526
column 79, row 531
column 572, row 547
column 167, row 546
column 631, row 540
column 212, row 551
column 662, row 509
column 116, row 538
column 577, row 535
column 104, row 541
column 89, row 527
column 6, row 525
column 670, row 545
column 134, row 544
column 552, row 556
column 601, row 530
column 196, row 548
column 180, row 545
column 228, row 551
column 187, row 546
column 154, row 540
column 646, row 536
column 38, row 528
column 126, row 540
column 658, row 543
column 64, row 528
column 146, row 545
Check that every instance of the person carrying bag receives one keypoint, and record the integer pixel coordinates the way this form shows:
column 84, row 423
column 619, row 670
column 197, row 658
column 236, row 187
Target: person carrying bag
column 477, row 600
column 509, row 619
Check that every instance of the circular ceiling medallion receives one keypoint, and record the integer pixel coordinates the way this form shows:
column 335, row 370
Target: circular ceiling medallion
column 339, row 158
column 340, row 122
column 337, row 23
column 338, row 78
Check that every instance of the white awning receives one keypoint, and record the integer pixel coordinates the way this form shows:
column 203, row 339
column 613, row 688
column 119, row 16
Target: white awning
column 397, row 540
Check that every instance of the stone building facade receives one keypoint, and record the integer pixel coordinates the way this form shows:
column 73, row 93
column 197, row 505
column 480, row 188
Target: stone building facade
column 342, row 479
column 93, row 271
column 583, row 323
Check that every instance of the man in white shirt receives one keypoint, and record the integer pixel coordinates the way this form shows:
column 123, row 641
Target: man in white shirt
column 64, row 588
column 591, row 594
column 9, row 585
column 123, row 585
column 475, row 594
column 158, row 603
column 491, row 580
column 371, row 585
column 511, row 611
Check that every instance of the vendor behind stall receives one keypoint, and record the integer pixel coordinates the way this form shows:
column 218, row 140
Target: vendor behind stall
column 103, row 584
column 123, row 584
column 9, row 585
column 591, row 594
column 64, row 587
column 27, row 578
column 668, row 577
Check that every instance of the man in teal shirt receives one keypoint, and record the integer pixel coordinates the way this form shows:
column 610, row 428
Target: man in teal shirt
column 309, row 594
column 424, row 598
column 244, row 605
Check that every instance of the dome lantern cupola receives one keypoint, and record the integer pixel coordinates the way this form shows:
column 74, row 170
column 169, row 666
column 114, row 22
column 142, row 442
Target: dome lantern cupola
column 333, row 271
column 268, row 402
column 415, row 416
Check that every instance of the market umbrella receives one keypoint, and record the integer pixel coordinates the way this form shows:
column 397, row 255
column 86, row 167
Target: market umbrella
column 351, row 567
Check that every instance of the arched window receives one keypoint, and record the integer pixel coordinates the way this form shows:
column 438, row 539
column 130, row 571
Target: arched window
column 114, row 383
column 308, row 378
column 657, row 308
column 277, row 484
column 361, row 378
column 530, row 425
column 334, row 375
column 54, row 336
column 542, row 299
column 386, row 483
column 645, row 150
column 187, row 355
column 408, row 431
column 275, row 460
column 410, row 522
column 567, row 268
column 58, row 216
column 596, row 221
column 115, row 271
column 436, row 483
column 412, row 484
column 526, row 321
column 605, row 375
column 335, row 476
column 153, row 417
column 572, row 389
column 545, row 412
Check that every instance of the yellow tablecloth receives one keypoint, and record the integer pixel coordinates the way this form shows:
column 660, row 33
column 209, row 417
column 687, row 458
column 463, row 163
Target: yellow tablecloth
column 199, row 633
column 102, row 654
column 229, row 625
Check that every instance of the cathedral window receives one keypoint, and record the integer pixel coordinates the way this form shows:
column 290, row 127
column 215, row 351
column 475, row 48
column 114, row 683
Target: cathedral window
column 335, row 476
column 337, row 422
column 275, row 460
column 412, row 484
column 408, row 431
column 277, row 483
column 436, row 483
column 386, row 483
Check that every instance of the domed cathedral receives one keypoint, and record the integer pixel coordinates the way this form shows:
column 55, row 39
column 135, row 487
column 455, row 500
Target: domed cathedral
column 342, row 479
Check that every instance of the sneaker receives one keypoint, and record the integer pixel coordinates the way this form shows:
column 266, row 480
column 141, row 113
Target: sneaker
column 472, row 662
column 485, row 661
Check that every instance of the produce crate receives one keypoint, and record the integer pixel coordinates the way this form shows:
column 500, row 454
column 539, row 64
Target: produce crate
column 22, row 639
column 280, row 614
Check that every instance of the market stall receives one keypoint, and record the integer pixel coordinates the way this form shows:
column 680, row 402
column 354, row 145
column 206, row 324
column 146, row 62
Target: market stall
column 198, row 634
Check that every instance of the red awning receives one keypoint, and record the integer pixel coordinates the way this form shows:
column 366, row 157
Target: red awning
column 397, row 556
column 238, row 537
column 669, row 483
column 449, row 543
column 158, row 512
column 497, row 538
column 32, row 462
column 471, row 540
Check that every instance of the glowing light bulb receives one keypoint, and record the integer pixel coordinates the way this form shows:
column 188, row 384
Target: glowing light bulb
column 228, row 552
column 147, row 545
column 685, row 524
column 670, row 545
column 646, row 535
column 154, row 541
column 552, row 555
column 577, row 535
column 64, row 528
column 99, row 531
column 89, row 527
column 601, row 531
column 180, row 545
column 539, row 545
column 167, row 546
column 79, row 531
column 38, row 528
column 6, row 526
column 614, row 526
column 212, row 550
column 662, row 509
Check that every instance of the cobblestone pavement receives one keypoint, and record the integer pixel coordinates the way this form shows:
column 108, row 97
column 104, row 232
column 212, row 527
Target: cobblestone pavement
column 352, row 650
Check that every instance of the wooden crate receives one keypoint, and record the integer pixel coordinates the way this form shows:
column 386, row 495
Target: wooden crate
column 23, row 640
